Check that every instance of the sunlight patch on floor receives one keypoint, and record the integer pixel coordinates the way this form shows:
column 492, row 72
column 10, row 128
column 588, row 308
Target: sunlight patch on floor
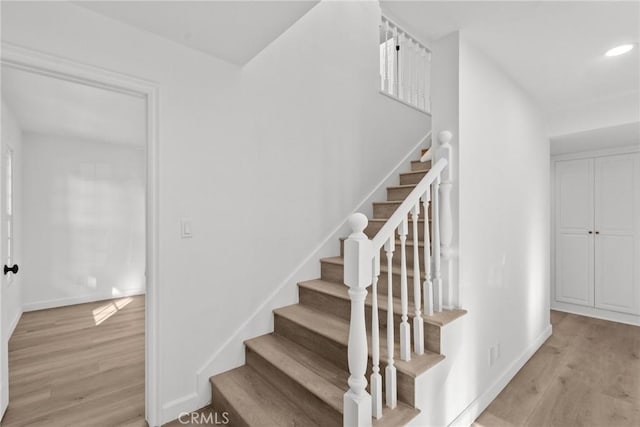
column 104, row 312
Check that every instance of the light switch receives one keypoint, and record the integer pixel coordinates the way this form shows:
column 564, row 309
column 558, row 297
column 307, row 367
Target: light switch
column 186, row 231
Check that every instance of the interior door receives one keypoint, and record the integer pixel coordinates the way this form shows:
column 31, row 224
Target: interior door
column 574, row 231
column 6, row 231
column 4, row 351
column 616, row 241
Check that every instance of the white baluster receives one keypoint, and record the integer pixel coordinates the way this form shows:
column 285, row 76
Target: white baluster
column 410, row 71
column 357, row 276
column 423, row 77
column 382, row 46
column 446, row 225
column 405, row 333
column 435, row 213
column 427, row 90
column 396, row 76
column 376, row 378
column 428, row 285
column 405, row 68
column 418, row 321
column 390, row 371
column 415, row 65
column 387, row 89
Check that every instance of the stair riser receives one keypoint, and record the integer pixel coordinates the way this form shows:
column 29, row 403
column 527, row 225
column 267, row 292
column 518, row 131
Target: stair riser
column 221, row 404
column 396, row 255
column 336, row 353
column 417, row 165
column 385, row 210
column 411, row 178
column 342, row 308
column 397, row 259
column 334, row 273
column 373, row 228
column 313, row 407
column 397, row 194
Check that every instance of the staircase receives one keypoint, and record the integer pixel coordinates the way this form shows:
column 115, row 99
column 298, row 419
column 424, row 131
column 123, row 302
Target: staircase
column 298, row 375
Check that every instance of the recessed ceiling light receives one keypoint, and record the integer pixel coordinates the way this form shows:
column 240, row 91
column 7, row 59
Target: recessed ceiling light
column 619, row 50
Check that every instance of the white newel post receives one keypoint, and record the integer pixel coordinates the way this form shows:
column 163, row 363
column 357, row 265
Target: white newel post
column 446, row 220
column 357, row 276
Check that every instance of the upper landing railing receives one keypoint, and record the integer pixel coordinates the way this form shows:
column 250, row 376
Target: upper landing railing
column 405, row 67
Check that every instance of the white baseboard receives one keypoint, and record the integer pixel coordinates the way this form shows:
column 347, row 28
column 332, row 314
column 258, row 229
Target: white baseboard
column 471, row 412
column 14, row 323
column 612, row 316
column 231, row 353
column 61, row 302
column 179, row 406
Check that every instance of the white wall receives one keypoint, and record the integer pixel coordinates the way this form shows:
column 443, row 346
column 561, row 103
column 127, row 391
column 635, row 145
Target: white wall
column 265, row 160
column 503, row 180
column 602, row 114
column 11, row 290
column 84, row 220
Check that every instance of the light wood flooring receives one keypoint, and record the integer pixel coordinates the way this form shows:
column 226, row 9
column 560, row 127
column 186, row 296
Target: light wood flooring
column 81, row 365
column 586, row 374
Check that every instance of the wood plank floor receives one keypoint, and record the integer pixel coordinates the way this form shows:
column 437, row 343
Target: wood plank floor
column 81, row 365
column 586, row 374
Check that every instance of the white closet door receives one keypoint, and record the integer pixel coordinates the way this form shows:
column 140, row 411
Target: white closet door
column 574, row 222
column 617, row 285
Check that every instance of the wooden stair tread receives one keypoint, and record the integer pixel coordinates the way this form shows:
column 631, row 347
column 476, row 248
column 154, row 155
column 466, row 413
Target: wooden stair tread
column 337, row 329
column 340, row 291
column 424, row 172
column 336, row 260
column 316, row 374
column 408, row 242
column 257, row 401
column 401, row 186
column 384, row 220
column 399, row 416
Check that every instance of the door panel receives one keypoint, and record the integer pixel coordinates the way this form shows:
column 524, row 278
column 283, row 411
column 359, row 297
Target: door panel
column 574, row 221
column 615, row 289
column 617, row 284
column 574, row 195
column 574, row 269
column 614, row 195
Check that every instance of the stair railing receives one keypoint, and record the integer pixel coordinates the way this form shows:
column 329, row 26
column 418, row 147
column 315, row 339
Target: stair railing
column 362, row 265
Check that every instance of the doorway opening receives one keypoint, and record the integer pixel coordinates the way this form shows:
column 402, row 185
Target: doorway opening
column 78, row 235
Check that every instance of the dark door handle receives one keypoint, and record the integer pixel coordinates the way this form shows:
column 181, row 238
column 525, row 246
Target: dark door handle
column 597, row 232
column 13, row 269
column 590, row 232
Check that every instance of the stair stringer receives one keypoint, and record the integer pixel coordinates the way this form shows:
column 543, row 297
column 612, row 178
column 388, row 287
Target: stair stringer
column 429, row 385
column 231, row 353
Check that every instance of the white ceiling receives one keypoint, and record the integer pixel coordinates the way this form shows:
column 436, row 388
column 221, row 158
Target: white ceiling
column 597, row 139
column 51, row 106
column 553, row 49
column 235, row 31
